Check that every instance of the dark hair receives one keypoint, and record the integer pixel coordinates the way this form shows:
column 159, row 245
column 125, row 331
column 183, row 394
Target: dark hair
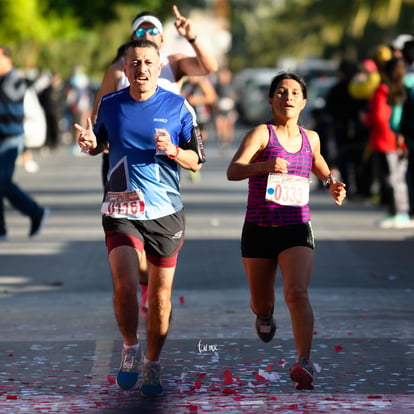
column 408, row 52
column 395, row 80
column 141, row 43
column 120, row 52
column 390, row 65
column 348, row 68
column 287, row 75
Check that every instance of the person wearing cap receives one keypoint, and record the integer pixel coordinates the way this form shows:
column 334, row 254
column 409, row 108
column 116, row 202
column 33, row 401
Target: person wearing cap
column 151, row 132
column 174, row 66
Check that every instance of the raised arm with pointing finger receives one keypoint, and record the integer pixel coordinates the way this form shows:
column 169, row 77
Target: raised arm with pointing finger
column 174, row 66
column 203, row 63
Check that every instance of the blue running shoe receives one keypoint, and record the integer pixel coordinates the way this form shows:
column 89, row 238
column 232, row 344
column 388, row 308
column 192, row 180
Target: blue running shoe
column 128, row 372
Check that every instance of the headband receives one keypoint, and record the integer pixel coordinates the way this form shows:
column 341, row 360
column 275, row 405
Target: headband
column 146, row 19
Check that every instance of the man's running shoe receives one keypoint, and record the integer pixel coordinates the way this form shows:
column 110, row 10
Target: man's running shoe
column 266, row 327
column 151, row 379
column 302, row 374
column 128, row 371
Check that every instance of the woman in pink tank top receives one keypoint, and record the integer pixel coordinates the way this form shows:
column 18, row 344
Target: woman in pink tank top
column 277, row 158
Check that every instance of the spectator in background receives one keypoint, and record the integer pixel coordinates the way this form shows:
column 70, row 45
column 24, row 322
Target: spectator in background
column 407, row 118
column 387, row 146
column 200, row 93
column 225, row 112
column 78, row 100
column 51, row 97
column 343, row 112
column 12, row 91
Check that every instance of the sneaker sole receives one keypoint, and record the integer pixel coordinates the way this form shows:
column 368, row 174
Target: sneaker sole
column 266, row 336
column 302, row 378
column 151, row 390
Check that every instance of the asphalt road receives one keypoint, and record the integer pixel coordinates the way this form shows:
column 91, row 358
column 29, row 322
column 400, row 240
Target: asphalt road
column 60, row 347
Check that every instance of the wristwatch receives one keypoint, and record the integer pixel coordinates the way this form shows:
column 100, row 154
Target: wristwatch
column 327, row 181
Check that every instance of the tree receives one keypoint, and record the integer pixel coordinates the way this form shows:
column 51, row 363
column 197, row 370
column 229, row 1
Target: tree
column 58, row 34
column 270, row 29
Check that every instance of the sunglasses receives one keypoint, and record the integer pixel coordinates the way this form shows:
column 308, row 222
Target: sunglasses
column 141, row 31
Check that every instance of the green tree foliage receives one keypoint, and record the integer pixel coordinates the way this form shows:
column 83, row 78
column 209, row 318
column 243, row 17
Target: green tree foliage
column 270, row 29
column 58, row 34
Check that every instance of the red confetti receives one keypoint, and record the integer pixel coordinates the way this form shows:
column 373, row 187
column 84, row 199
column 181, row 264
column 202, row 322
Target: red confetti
column 338, row 348
column 197, row 384
column 110, row 379
column 228, row 377
column 182, row 300
column 372, row 397
column 11, row 397
column 228, row 380
column 201, row 374
column 228, row 391
column 273, row 398
column 260, row 378
column 269, row 367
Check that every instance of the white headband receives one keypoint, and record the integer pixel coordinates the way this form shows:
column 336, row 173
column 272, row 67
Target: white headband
column 146, row 19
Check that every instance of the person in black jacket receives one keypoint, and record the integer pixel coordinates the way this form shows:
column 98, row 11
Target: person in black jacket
column 12, row 90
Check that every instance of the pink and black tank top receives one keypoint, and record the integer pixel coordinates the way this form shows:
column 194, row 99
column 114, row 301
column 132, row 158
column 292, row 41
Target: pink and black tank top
column 267, row 213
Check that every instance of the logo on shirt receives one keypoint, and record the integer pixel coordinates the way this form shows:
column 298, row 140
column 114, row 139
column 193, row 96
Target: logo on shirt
column 177, row 235
column 163, row 120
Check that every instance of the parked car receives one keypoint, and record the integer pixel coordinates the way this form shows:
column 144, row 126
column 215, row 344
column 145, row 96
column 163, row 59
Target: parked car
column 317, row 89
column 252, row 86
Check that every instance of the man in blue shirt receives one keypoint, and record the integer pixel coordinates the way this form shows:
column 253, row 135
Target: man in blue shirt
column 151, row 132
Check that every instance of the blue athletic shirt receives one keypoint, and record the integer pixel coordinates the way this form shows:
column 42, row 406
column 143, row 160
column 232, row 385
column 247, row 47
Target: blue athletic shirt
column 129, row 127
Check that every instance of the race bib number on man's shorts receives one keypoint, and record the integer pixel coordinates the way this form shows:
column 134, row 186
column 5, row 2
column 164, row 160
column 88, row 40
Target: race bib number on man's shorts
column 288, row 190
column 127, row 204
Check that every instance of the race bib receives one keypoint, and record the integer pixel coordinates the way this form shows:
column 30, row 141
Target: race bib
column 128, row 204
column 288, row 190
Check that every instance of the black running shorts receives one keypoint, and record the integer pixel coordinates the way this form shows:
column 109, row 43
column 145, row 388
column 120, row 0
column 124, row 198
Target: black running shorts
column 267, row 242
column 161, row 238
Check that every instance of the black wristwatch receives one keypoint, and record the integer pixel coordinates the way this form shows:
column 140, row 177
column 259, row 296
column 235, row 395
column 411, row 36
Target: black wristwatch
column 327, row 181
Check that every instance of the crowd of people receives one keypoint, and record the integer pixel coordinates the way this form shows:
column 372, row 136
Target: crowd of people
column 366, row 132
column 148, row 119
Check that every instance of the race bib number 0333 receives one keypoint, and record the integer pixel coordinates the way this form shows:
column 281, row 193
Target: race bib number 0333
column 288, row 190
column 127, row 204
